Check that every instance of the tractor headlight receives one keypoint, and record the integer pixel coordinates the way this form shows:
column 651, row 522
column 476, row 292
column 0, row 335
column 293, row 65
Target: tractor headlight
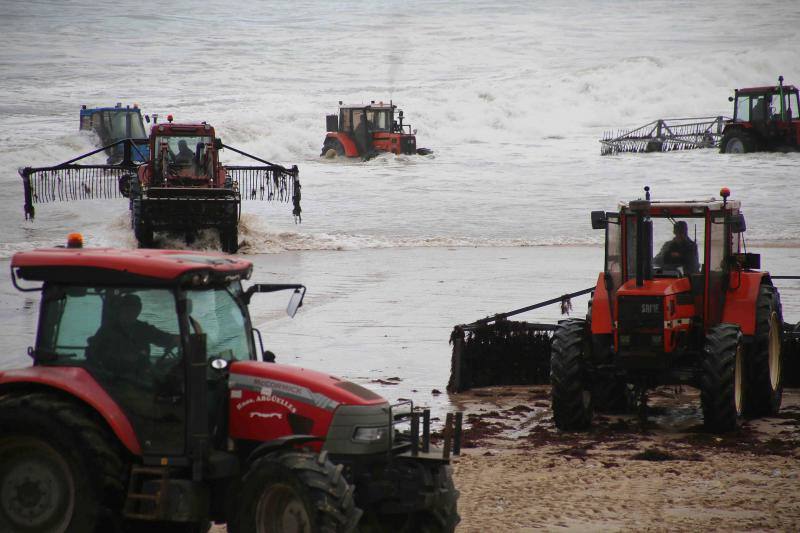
column 373, row 434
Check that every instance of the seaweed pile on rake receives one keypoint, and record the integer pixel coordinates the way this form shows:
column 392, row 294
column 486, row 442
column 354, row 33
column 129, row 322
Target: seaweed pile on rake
column 665, row 135
column 168, row 194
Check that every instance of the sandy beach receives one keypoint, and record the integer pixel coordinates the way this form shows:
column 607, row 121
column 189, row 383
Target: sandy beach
column 518, row 473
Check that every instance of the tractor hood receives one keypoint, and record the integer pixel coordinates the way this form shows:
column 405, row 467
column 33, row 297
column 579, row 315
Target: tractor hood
column 299, row 385
column 269, row 401
column 655, row 287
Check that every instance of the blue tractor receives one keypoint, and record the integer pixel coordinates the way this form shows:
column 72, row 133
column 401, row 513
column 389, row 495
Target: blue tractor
column 113, row 124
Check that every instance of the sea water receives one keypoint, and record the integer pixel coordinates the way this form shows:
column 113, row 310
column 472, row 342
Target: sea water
column 511, row 96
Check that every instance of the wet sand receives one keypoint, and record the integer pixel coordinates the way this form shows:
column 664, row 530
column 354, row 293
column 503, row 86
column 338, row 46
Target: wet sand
column 520, row 474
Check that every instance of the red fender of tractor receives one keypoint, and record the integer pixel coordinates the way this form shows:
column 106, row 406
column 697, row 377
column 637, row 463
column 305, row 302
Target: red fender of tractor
column 741, row 300
column 349, row 145
column 79, row 384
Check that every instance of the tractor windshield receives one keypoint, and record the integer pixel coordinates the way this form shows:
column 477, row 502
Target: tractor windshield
column 179, row 152
column 677, row 246
column 219, row 313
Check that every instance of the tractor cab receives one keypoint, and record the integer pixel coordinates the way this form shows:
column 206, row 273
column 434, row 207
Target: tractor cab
column 667, row 268
column 186, row 153
column 365, row 130
column 113, row 124
column 764, row 118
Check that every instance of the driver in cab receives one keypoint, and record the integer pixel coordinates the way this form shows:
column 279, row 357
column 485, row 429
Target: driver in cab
column 185, row 155
column 122, row 342
column 680, row 251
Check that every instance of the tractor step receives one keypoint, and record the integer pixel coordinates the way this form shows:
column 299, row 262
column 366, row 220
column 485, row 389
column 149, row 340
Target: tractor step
column 136, row 502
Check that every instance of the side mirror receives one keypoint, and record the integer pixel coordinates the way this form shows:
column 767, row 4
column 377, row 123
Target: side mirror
column 217, row 143
column 295, row 302
column 737, row 223
column 147, row 118
column 599, row 220
column 730, row 98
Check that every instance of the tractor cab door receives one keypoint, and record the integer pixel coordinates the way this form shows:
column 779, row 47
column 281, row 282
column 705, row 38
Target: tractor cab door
column 716, row 268
column 613, row 259
column 128, row 340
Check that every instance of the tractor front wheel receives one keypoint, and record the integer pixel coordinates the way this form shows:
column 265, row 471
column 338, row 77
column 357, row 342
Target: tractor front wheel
column 722, row 390
column 294, row 491
column 571, row 392
column 764, row 368
column 737, row 142
column 229, row 239
column 335, row 145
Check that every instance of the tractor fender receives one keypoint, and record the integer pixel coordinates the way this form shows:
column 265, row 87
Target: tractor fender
column 347, row 141
column 78, row 384
column 270, row 446
column 741, row 299
column 601, row 308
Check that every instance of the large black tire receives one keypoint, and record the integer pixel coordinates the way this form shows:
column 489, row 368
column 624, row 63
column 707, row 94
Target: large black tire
column 333, row 144
column 297, row 492
column 142, row 231
column 722, row 387
column 738, row 142
column 59, row 469
column 765, row 358
column 229, row 239
column 443, row 516
column 432, row 485
column 571, row 391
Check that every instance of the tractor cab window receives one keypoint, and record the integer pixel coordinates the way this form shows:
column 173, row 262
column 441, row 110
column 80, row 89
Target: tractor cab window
column 126, row 124
column 676, row 245
column 345, row 120
column 181, row 152
column 126, row 332
column 758, row 108
column 381, row 120
column 793, row 106
column 743, row 109
column 218, row 313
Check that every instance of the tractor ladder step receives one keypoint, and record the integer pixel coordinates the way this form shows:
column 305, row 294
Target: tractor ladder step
column 136, row 502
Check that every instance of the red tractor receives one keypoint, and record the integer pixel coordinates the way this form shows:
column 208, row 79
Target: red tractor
column 182, row 187
column 764, row 119
column 150, row 402
column 363, row 131
column 695, row 312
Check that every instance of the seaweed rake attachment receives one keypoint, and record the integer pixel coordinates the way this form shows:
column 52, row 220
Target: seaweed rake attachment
column 498, row 351
column 665, row 135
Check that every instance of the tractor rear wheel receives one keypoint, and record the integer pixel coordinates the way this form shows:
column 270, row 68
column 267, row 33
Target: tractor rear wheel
column 297, row 492
column 571, row 391
column 764, row 362
column 58, row 467
column 737, row 142
column 722, row 388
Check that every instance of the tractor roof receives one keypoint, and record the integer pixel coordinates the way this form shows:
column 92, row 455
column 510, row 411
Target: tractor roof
column 713, row 204
column 372, row 105
column 121, row 266
column 771, row 89
column 186, row 128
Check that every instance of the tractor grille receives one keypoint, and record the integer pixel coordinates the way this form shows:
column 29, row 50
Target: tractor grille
column 641, row 332
column 640, row 312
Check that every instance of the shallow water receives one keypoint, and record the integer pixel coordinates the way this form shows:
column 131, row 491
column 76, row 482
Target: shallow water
column 512, row 97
